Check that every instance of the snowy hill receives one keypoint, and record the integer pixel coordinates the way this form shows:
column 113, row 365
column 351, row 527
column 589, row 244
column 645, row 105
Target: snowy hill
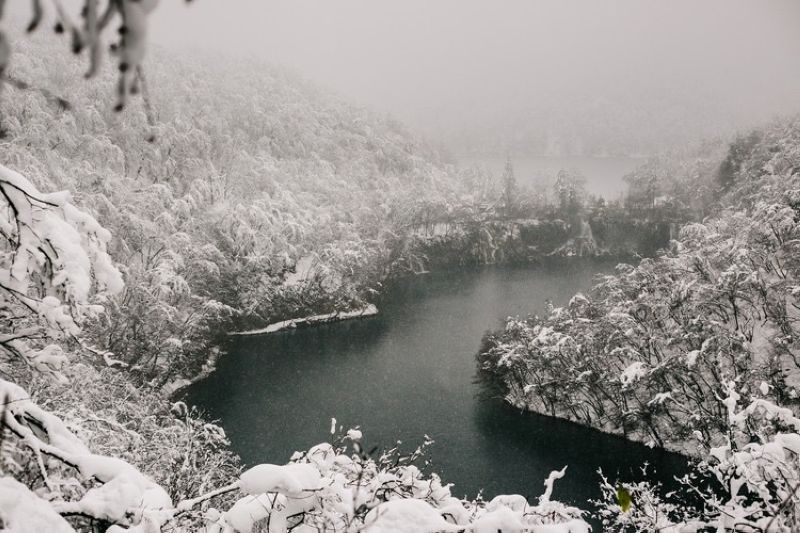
column 214, row 186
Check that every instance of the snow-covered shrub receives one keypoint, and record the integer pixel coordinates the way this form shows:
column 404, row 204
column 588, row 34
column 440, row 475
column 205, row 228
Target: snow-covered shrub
column 340, row 488
column 750, row 483
column 648, row 510
column 329, row 488
column 168, row 442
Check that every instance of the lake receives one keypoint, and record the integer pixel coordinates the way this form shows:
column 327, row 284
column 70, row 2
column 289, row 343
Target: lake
column 603, row 174
column 410, row 372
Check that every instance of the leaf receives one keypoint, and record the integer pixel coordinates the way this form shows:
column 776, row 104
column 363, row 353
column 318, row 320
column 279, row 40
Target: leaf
column 624, row 499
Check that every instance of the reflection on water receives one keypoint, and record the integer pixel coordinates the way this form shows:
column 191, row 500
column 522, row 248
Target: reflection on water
column 409, row 372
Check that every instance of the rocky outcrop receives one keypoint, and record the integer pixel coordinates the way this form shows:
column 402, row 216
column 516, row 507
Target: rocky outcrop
column 581, row 245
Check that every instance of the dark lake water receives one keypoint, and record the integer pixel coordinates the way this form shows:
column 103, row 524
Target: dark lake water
column 410, row 372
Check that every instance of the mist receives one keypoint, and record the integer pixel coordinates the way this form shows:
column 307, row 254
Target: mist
column 487, row 76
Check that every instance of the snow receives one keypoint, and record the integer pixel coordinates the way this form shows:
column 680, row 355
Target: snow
column 454, row 512
column 578, row 300
column 633, row 373
column 789, row 441
column 59, row 246
column 323, row 456
column 367, row 311
column 691, row 358
column 292, row 480
column 501, row 519
column 354, row 435
column 323, row 486
column 51, row 357
column 125, row 495
column 572, row 526
column 548, row 484
column 660, row 398
column 325, row 475
column 22, row 511
column 303, row 271
column 407, row 516
column 326, row 487
column 515, row 502
column 248, row 511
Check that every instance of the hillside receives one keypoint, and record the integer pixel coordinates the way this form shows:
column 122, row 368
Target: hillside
column 236, row 175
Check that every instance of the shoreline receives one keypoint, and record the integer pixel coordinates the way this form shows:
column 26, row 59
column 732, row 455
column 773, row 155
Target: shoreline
column 293, row 323
column 632, row 436
column 172, row 388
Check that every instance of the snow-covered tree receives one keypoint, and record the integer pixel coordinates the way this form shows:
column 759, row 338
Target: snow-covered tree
column 53, row 269
column 87, row 31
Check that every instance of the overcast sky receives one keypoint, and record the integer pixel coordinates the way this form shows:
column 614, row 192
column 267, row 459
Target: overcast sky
column 412, row 57
column 435, row 63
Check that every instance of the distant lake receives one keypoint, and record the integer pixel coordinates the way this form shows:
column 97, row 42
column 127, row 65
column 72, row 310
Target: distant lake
column 603, row 174
column 410, row 372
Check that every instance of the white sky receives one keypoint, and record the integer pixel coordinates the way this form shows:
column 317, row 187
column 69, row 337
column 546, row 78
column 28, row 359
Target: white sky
column 414, row 56
column 439, row 63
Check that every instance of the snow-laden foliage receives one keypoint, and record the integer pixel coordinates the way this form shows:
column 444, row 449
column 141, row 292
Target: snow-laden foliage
column 123, row 495
column 54, row 274
column 339, row 488
column 53, row 261
column 756, row 475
